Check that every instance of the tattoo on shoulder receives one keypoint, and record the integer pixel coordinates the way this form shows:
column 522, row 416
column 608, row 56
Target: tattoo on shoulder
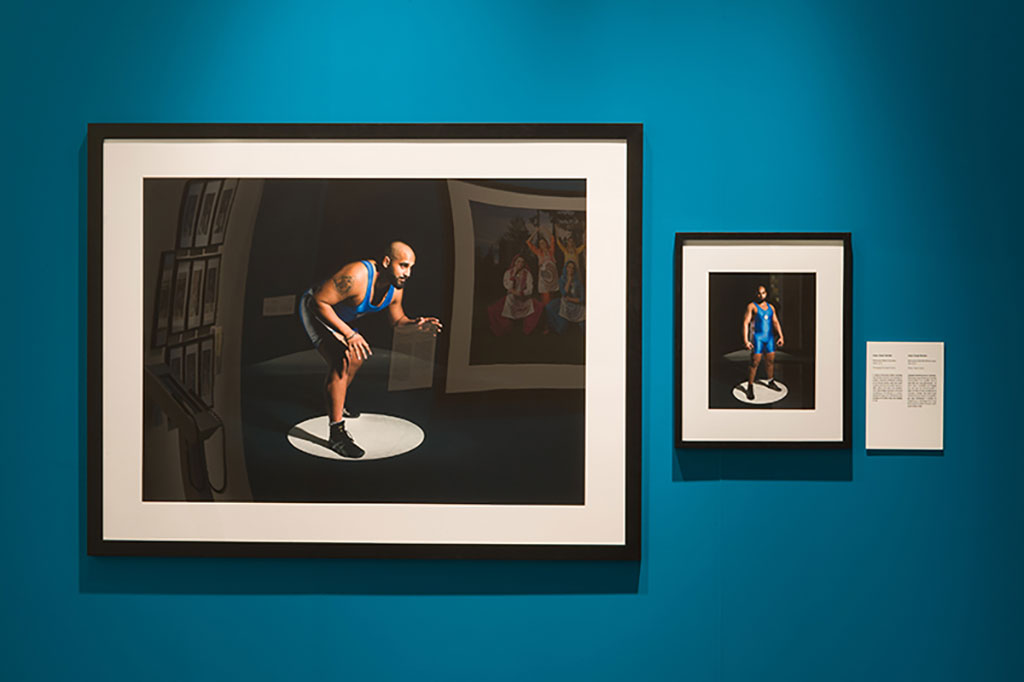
column 343, row 283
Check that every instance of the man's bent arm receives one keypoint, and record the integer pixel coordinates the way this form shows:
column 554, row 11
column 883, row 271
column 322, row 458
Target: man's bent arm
column 398, row 316
column 777, row 324
column 746, row 325
column 341, row 286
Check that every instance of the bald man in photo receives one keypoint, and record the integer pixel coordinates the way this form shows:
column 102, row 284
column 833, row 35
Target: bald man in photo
column 328, row 312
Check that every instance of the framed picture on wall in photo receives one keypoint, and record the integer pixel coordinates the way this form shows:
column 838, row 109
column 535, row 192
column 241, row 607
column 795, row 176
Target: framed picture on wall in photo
column 402, row 360
column 179, row 301
column 176, row 362
column 207, row 206
column 165, row 288
column 195, row 294
column 223, row 212
column 763, row 325
column 188, row 210
column 206, row 367
column 210, row 291
column 191, row 366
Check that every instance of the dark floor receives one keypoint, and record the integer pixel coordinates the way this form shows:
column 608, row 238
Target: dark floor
column 500, row 447
column 795, row 371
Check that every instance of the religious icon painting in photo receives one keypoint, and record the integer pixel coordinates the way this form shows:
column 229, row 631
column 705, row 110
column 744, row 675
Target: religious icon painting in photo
column 519, row 304
column 388, row 357
column 763, row 339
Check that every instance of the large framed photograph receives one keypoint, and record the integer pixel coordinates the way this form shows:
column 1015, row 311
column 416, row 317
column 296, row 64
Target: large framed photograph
column 763, row 340
column 399, row 363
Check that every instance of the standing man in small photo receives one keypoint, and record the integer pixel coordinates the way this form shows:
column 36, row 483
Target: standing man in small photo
column 762, row 342
column 328, row 312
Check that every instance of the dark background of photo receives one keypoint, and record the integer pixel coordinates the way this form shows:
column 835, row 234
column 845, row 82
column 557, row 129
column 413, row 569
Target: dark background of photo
column 793, row 295
column 496, row 447
column 307, row 229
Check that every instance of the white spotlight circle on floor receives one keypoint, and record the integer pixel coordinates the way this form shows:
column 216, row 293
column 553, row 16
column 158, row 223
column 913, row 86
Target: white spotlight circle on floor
column 381, row 435
column 762, row 394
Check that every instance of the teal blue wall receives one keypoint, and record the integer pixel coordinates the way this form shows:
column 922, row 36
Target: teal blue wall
column 897, row 121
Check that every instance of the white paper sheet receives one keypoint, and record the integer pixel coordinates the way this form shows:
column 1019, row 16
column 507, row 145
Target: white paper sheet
column 412, row 359
column 904, row 395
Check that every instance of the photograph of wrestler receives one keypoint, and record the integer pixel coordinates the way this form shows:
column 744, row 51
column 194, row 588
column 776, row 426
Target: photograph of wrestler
column 761, row 336
column 353, row 267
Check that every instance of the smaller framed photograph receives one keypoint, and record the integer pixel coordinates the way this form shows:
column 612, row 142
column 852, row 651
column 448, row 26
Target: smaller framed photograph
column 206, row 209
column 189, row 211
column 175, row 360
column 763, row 339
column 210, row 291
column 191, row 368
column 162, row 309
column 223, row 212
column 206, row 370
column 182, row 270
column 195, row 294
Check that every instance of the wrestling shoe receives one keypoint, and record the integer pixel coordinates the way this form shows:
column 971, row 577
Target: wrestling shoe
column 342, row 443
column 774, row 386
column 350, row 413
column 750, row 391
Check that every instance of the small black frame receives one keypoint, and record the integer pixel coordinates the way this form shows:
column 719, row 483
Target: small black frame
column 683, row 431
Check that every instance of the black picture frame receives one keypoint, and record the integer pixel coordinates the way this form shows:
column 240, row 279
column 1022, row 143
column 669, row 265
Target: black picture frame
column 614, row 152
column 709, row 274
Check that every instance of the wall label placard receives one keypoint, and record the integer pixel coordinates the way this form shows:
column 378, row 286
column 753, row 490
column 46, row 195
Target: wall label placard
column 904, row 395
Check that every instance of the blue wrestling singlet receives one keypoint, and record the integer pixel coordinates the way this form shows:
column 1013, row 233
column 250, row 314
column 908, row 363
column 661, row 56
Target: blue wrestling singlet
column 316, row 327
column 764, row 338
column 349, row 313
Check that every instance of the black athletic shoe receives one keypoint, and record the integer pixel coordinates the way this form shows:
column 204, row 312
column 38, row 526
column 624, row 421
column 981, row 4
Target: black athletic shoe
column 774, row 386
column 350, row 413
column 343, row 444
column 750, row 391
